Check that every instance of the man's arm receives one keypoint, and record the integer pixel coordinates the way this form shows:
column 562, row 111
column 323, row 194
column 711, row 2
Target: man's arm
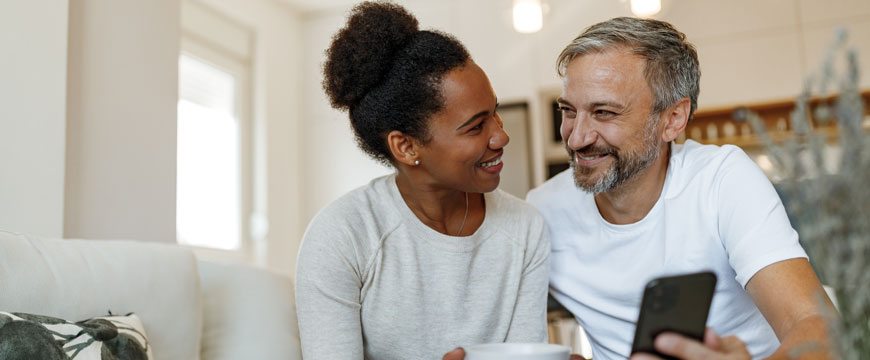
column 792, row 299
column 764, row 252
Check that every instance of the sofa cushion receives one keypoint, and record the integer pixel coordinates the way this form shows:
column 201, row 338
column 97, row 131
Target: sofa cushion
column 79, row 279
column 29, row 336
column 241, row 302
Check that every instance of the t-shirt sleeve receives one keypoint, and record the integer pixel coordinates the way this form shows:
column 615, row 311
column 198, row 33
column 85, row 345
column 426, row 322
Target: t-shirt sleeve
column 328, row 283
column 529, row 323
column 753, row 224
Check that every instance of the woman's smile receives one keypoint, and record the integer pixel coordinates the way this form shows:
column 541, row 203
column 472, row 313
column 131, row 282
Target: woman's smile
column 492, row 166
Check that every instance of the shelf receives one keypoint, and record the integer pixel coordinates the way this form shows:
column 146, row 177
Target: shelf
column 718, row 126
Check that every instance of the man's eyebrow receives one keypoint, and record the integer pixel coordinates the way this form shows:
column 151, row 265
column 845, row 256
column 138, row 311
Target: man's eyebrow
column 612, row 104
column 607, row 103
column 473, row 118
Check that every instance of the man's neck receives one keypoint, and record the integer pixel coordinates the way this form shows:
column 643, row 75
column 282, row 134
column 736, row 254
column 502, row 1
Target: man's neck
column 630, row 202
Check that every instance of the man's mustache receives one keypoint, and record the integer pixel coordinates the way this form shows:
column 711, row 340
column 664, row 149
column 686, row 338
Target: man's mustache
column 590, row 150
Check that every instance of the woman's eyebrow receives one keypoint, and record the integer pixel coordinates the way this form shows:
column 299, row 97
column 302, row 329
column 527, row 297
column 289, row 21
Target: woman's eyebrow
column 473, row 118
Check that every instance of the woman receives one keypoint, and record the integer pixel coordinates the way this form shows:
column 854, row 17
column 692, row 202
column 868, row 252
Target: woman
column 432, row 257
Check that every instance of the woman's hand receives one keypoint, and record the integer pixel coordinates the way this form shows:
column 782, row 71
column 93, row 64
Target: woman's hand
column 455, row 354
column 714, row 347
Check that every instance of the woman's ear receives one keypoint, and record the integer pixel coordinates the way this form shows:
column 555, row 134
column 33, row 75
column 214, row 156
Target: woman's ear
column 403, row 148
column 675, row 119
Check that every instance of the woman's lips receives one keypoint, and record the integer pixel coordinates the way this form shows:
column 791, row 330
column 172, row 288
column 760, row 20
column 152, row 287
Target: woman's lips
column 492, row 166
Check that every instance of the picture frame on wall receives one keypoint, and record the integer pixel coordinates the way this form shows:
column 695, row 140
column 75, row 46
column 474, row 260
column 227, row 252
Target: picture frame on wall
column 516, row 177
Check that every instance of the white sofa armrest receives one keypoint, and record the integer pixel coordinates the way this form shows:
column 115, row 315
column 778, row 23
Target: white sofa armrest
column 80, row 279
column 248, row 313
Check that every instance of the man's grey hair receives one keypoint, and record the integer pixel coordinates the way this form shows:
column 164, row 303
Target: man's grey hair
column 671, row 69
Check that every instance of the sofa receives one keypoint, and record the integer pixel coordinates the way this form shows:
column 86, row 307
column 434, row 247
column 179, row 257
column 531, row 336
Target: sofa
column 190, row 309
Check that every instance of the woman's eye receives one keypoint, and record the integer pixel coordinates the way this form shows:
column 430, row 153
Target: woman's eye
column 478, row 126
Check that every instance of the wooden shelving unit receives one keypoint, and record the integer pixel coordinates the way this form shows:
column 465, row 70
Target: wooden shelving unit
column 718, row 126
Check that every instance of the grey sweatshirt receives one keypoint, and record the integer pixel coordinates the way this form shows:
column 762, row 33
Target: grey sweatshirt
column 374, row 282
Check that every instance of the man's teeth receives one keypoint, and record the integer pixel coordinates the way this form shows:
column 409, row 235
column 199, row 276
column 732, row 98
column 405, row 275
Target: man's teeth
column 491, row 163
column 589, row 158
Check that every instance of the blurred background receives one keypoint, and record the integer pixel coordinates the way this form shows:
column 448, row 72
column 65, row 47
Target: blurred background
column 203, row 122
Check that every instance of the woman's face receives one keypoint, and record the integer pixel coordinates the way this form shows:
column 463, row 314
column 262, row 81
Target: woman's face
column 467, row 139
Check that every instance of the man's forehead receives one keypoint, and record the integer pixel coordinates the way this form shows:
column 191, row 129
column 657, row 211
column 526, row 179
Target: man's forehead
column 614, row 76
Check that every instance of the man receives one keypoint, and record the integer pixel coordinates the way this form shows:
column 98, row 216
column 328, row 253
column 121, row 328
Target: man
column 635, row 206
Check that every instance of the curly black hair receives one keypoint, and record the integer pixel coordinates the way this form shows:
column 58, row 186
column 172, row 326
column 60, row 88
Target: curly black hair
column 387, row 73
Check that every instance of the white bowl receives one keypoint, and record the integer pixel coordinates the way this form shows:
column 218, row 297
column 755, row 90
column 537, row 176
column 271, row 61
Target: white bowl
column 517, row 351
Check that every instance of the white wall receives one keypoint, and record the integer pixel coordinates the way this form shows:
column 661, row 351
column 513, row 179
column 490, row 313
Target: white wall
column 750, row 51
column 121, row 119
column 277, row 125
column 33, row 47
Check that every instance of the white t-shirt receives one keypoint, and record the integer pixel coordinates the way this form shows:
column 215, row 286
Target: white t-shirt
column 717, row 211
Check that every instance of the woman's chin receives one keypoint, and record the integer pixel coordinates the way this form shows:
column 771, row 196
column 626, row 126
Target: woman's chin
column 490, row 185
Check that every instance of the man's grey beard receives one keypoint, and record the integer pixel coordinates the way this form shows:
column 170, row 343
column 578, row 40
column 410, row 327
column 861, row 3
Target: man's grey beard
column 625, row 166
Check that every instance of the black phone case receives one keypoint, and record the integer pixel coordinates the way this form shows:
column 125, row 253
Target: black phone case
column 677, row 304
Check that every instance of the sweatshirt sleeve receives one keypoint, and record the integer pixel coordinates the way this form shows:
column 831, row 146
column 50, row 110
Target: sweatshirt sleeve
column 328, row 283
column 529, row 322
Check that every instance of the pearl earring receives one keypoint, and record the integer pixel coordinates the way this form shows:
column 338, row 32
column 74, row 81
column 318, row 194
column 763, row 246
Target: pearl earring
column 416, row 162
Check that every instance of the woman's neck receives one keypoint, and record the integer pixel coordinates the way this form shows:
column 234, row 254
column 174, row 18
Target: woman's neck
column 442, row 209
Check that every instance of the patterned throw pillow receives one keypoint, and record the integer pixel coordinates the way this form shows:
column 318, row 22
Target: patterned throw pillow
column 28, row 336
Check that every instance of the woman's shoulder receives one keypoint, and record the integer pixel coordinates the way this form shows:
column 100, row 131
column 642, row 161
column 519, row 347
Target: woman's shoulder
column 359, row 214
column 508, row 203
column 514, row 213
column 520, row 222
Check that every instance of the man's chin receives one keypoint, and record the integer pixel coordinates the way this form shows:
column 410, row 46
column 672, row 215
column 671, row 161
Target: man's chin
column 587, row 183
column 592, row 181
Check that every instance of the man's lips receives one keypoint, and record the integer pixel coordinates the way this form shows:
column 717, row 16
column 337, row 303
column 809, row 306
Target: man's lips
column 590, row 159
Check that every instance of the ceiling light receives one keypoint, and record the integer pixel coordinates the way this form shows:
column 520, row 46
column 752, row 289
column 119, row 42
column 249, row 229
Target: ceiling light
column 645, row 8
column 528, row 16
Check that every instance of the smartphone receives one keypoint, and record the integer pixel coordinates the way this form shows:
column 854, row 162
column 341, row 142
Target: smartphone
column 677, row 304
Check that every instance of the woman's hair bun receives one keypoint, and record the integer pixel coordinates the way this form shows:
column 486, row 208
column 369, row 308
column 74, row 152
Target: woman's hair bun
column 362, row 52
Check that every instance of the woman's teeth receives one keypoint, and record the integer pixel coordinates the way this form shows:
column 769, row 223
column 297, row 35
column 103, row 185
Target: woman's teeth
column 491, row 163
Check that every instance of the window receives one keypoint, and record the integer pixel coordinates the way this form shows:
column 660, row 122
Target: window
column 215, row 157
column 209, row 212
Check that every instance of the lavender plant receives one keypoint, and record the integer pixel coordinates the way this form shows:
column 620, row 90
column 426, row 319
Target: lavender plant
column 831, row 209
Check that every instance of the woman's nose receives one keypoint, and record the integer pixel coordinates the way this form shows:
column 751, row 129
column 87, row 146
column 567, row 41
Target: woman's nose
column 499, row 139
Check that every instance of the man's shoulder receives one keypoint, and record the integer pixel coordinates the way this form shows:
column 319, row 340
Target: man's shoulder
column 692, row 159
column 692, row 153
column 551, row 191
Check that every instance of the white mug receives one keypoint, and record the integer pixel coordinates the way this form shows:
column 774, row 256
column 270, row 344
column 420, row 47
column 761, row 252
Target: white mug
column 517, row 351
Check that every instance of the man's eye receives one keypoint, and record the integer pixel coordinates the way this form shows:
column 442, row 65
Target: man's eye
column 478, row 126
column 604, row 113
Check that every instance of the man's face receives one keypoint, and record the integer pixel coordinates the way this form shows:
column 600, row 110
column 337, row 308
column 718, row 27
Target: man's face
column 606, row 122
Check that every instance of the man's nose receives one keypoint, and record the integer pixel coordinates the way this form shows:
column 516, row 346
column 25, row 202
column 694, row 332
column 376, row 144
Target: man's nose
column 581, row 133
